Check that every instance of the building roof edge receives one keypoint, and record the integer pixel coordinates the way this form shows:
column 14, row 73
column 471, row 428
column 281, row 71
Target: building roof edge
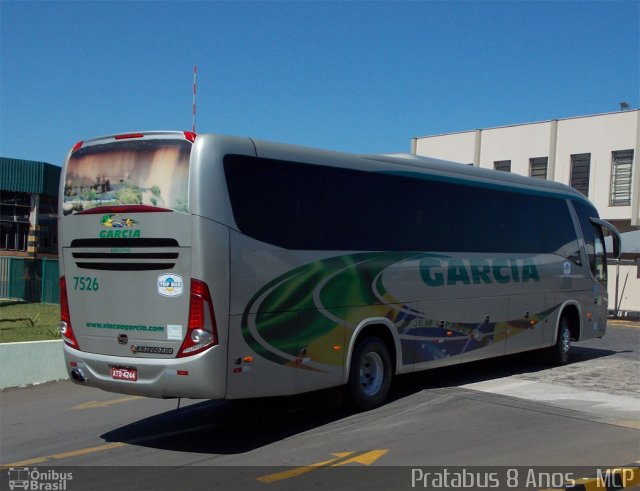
column 524, row 124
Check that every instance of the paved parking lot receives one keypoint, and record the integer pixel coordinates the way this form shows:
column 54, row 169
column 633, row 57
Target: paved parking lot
column 488, row 415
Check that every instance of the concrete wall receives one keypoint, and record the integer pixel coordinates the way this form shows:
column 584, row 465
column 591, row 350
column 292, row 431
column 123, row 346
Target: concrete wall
column 598, row 135
column 31, row 363
column 457, row 147
column 515, row 143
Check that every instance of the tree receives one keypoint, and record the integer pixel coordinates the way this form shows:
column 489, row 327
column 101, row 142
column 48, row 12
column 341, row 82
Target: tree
column 129, row 196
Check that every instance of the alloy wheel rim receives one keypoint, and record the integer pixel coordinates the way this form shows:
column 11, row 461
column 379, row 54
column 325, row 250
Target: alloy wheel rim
column 566, row 340
column 371, row 373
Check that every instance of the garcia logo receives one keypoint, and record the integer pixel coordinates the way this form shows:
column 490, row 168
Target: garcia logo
column 119, row 227
column 170, row 285
column 453, row 271
column 115, row 221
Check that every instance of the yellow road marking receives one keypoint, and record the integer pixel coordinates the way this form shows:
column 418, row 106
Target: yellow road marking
column 342, row 458
column 23, row 463
column 106, row 446
column 65, row 455
column 367, row 458
column 342, row 455
column 298, row 471
column 98, row 404
column 84, row 451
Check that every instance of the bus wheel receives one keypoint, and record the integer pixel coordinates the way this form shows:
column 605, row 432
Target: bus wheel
column 559, row 352
column 369, row 375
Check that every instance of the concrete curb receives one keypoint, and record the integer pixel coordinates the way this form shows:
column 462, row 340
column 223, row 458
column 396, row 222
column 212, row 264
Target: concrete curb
column 623, row 323
column 33, row 362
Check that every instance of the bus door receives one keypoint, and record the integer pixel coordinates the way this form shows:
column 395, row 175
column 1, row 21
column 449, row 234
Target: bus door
column 594, row 315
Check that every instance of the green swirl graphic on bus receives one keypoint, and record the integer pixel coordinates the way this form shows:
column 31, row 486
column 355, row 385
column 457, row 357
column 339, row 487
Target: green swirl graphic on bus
column 318, row 303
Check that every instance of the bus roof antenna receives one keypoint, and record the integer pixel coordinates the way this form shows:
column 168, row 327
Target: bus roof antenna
column 193, row 109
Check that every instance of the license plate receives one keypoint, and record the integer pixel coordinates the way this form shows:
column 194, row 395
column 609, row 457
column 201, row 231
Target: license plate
column 121, row 373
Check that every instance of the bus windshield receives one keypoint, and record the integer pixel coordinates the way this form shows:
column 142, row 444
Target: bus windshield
column 153, row 172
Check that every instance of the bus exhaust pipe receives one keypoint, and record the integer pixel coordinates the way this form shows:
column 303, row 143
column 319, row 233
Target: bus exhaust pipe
column 77, row 375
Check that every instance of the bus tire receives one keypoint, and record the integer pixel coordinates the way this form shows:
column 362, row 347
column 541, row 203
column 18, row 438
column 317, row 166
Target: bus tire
column 559, row 352
column 369, row 375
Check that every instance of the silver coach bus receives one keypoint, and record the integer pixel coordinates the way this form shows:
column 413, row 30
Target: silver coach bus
column 209, row 266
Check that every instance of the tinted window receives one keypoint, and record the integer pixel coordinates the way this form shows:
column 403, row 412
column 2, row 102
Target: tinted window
column 301, row 206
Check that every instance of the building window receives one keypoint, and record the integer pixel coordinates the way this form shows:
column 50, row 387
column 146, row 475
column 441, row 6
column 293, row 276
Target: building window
column 14, row 220
column 503, row 165
column 621, row 165
column 13, row 236
column 580, row 165
column 15, row 209
column 538, row 167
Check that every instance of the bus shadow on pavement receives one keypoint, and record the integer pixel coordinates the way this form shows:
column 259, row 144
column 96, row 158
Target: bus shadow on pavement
column 232, row 427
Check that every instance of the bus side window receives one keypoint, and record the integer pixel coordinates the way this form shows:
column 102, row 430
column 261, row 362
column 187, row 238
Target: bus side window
column 599, row 262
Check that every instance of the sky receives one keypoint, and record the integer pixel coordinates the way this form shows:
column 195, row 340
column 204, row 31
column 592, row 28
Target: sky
column 358, row 76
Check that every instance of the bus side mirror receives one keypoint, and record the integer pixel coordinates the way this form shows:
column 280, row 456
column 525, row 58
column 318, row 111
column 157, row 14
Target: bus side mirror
column 617, row 246
column 615, row 235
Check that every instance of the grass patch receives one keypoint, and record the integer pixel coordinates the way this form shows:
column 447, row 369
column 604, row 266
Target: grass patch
column 28, row 321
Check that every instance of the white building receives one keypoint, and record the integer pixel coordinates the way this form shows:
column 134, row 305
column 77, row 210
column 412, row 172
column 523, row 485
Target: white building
column 598, row 155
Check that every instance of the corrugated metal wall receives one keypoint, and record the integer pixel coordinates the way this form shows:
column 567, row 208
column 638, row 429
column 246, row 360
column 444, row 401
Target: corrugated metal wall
column 4, row 277
column 50, row 291
column 31, row 280
column 29, row 176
